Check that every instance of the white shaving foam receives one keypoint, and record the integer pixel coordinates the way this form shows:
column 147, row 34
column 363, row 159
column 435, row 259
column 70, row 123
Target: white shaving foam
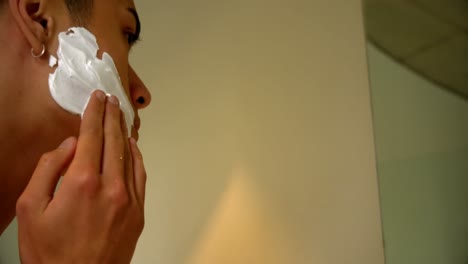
column 79, row 72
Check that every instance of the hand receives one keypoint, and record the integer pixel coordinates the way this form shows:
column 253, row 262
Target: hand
column 97, row 213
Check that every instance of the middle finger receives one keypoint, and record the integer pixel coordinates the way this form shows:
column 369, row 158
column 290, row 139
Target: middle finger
column 114, row 143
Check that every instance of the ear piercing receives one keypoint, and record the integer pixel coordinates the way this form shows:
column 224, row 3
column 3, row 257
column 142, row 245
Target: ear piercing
column 36, row 56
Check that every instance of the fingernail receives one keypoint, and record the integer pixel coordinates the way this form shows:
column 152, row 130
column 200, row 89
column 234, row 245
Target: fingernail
column 137, row 153
column 66, row 144
column 114, row 100
column 100, row 95
column 134, row 142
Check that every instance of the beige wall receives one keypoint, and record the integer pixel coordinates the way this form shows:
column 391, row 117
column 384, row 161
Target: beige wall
column 259, row 142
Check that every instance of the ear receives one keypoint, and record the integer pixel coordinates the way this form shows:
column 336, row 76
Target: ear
column 30, row 19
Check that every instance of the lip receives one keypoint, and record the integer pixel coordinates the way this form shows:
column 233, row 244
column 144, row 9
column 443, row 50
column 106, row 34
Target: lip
column 137, row 123
column 136, row 126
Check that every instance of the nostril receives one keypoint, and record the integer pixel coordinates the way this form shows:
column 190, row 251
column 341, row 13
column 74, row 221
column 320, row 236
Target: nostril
column 141, row 100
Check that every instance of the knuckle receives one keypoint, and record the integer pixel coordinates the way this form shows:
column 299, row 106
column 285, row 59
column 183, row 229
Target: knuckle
column 23, row 205
column 139, row 156
column 113, row 136
column 94, row 131
column 46, row 159
column 88, row 181
column 118, row 195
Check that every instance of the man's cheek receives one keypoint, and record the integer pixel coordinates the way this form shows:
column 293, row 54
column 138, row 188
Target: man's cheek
column 80, row 69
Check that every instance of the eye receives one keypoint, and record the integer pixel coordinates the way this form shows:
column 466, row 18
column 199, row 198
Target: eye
column 132, row 38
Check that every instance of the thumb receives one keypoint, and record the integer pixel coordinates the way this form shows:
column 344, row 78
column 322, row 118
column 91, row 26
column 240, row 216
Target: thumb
column 41, row 187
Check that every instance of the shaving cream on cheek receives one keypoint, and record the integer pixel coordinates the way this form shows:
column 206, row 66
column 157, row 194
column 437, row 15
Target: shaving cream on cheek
column 79, row 72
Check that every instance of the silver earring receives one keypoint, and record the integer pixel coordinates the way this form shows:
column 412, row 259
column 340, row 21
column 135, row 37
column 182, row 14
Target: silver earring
column 38, row 55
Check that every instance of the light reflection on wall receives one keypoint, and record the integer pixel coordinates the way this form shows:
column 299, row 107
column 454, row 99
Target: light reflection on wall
column 243, row 229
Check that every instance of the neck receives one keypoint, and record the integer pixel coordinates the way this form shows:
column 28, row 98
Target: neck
column 9, row 136
column 19, row 147
column 31, row 123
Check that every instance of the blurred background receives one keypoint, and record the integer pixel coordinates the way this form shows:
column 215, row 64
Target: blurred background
column 418, row 66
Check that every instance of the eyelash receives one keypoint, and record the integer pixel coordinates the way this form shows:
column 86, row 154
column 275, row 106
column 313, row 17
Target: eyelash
column 131, row 38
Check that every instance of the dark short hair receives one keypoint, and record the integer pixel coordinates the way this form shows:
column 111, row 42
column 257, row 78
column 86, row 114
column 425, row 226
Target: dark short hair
column 80, row 10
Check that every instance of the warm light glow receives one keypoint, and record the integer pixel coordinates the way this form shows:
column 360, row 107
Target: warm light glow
column 243, row 230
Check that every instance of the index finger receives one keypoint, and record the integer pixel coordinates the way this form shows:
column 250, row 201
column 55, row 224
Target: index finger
column 89, row 147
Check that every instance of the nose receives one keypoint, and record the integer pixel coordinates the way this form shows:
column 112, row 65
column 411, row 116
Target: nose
column 139, row 93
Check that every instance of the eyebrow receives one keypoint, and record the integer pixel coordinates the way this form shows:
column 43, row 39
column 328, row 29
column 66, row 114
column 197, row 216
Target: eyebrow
column 137, row 19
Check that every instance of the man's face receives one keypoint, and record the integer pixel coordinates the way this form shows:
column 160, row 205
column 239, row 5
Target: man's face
column 116, row 25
